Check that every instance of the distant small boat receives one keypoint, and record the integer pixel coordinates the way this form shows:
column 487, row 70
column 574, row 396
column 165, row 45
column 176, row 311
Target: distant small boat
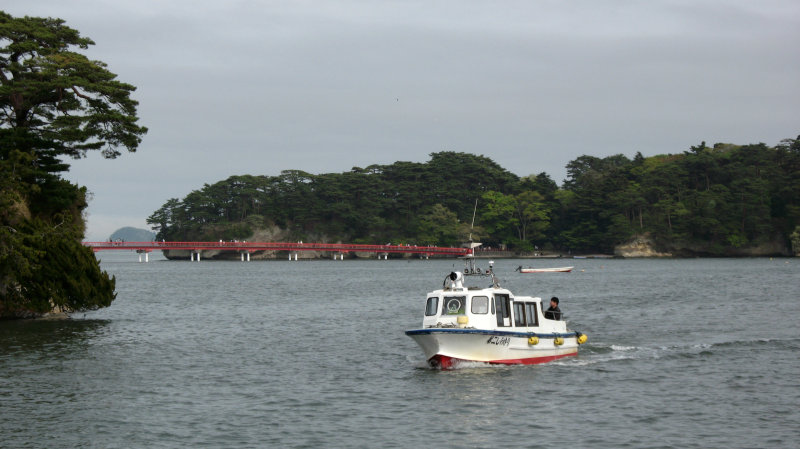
column 544, row 270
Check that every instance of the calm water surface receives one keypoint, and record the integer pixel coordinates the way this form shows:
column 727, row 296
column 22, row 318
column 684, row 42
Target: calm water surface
column 681, row 354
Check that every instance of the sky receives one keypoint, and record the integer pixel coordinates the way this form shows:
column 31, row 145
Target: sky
column 258, row 86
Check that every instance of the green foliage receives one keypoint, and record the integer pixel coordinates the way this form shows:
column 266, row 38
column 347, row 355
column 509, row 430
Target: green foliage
column 497, row 216
column 796, row 240
column 65, row 275
column 533, row 215
column 377, row 204
column 42, row 263
column 56, row 100
column 439, row 227
column 55, row 103
column 713, row 199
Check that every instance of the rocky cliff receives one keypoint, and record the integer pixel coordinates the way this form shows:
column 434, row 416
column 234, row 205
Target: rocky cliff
column 645, row 246
column 639, row 246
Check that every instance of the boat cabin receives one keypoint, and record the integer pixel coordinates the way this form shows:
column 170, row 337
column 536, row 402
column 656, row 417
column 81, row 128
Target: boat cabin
column 491, row 308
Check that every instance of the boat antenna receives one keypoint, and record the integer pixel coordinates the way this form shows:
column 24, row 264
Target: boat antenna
column 472, row 226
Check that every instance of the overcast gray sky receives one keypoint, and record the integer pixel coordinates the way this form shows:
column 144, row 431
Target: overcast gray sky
column 257, row 87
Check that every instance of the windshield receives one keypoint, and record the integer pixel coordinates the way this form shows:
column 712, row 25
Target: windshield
column 454, row 305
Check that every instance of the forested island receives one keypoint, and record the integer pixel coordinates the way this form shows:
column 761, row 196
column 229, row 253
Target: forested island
column 720, row 200
column 56, row 104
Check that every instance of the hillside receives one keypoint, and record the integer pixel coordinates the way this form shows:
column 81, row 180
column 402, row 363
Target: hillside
column 725, row 200
column 130, row 234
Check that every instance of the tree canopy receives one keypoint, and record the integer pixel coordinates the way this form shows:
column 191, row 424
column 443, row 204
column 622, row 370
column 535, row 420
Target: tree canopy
column 54, row 103
column 706, row 200
column 56, row 99
column 400, row 202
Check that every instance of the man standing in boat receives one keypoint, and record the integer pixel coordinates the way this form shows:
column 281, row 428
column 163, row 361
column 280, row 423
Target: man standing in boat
column 553, row 313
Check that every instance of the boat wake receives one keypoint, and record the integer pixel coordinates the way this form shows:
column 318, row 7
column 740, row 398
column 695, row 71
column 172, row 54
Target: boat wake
column 601, row 353
column 598, row 353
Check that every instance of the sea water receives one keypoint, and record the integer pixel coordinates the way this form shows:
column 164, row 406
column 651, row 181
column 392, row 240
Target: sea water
column 682, row 353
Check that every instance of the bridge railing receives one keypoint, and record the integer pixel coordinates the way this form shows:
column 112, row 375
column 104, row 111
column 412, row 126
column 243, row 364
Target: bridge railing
column 275, row 246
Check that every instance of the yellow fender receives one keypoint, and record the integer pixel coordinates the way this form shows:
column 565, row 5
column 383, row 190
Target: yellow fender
column 558, row 341
column 581, row 338
column 533, row 340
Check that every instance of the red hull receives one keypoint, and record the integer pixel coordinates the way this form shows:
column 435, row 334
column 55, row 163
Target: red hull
column 447, row 362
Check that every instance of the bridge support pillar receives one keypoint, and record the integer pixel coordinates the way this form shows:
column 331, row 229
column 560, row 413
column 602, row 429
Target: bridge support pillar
column 248, row 256
column 146, row 255
column 242, row 254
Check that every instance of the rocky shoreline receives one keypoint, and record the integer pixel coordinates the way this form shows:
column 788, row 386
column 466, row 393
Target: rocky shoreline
column 643, row 246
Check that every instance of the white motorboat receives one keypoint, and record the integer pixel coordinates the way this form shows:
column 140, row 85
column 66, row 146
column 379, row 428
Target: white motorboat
column 489, row 325
column 544, row 270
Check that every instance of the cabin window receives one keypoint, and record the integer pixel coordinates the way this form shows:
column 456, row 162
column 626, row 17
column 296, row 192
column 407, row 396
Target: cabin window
column 454, row 305
column 432, row 306
column 530, row 313
column 502, row 303
column 480, row 305
column 519, row 314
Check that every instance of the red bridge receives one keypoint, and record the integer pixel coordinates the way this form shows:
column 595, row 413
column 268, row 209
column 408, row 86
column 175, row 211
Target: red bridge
column 245, row 248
